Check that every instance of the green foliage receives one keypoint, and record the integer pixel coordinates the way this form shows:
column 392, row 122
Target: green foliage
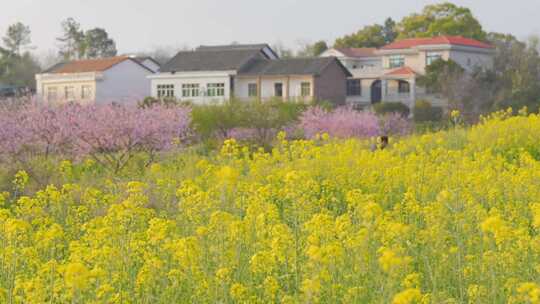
column 434, row 20
column 441, row 19
column 424, row 111
column 19, row 70
column 98, row 44
column 72, row 44
column 391, row 107
column 312, row 50
column 319, row 47
column 438, row 74
column 368, row 36
column 263, row 118
column 517, row 66
column 75, row 43
column 149, row 102
column 17, row 37
column 389, row 31
column 210, row 120
column 375, row 35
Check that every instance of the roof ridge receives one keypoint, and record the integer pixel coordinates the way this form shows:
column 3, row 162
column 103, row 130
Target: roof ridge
column 100, row 58
column 440, row 39
column 85, row 65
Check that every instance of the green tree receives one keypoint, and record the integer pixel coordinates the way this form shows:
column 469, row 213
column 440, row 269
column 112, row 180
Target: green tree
column 17, row 37
column 389, row 31
column 438, row 73
column 72, row 42
column 312, row 50
column 368, row 36
column 23, row 70
column 446, row 78
column 441, row 19
column 98, row 44
column 4, row 59
column 517, row 67
column 17, row 68
column 319, row 47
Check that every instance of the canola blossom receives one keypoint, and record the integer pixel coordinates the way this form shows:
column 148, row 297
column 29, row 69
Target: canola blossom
column 447, row 217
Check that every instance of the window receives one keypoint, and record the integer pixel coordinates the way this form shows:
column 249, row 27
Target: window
column 354, row 87
column 190, row 90
column 69, row 93
column 305, row 89
column 278, row 89
column 52, row 93
column 396, row 61
column 432, row 57
column 86, row 92
column 165, row 90
column 252, row 90
column 215, row 89
column 404, row 87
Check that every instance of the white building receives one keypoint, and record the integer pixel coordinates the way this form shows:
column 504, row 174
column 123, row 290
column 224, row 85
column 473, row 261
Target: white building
column 219, row 73
column 116, row 79
column 390, row 73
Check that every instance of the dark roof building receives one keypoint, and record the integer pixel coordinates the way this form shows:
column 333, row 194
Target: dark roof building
column 292, row 66
column 208, row 61
column 218, row 58
column 247, row 71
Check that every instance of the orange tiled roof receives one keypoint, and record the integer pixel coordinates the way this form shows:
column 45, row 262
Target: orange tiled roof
column 401, row 71
column 451, row 40
column 88, row 65
column 358, row 52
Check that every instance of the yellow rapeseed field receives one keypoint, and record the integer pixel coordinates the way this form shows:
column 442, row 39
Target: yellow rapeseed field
column 447, row 217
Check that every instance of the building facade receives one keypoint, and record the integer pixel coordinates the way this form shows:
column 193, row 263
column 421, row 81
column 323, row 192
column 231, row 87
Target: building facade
column 390, row 73
column 118, row 79
column 219, row 73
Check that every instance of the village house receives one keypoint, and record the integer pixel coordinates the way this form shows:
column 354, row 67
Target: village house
column 220, row 73
column 389, row 74
column 116, row 79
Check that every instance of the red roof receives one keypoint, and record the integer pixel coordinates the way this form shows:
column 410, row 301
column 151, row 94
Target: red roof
column 88, row 65
column 357, row 52
column 444, row 40
column 401, row 71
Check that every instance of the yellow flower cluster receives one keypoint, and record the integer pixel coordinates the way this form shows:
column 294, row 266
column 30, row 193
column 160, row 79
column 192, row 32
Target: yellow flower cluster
column 447, row 217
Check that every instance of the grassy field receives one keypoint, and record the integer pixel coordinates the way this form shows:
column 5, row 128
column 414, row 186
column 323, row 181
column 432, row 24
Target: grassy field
column 446, row 217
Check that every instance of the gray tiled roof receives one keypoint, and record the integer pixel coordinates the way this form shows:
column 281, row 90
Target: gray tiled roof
column 230, row 47
column 293, row 66
column 209, row 60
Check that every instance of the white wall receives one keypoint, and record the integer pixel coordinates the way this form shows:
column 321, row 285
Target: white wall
column 201, row 78
column 267, row 86
column 124, row 82
column 44, row 82
column 365, row 98
column 416, row 59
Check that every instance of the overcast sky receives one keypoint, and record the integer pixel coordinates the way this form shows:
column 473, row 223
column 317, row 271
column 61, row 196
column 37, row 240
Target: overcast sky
column 142, row 25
